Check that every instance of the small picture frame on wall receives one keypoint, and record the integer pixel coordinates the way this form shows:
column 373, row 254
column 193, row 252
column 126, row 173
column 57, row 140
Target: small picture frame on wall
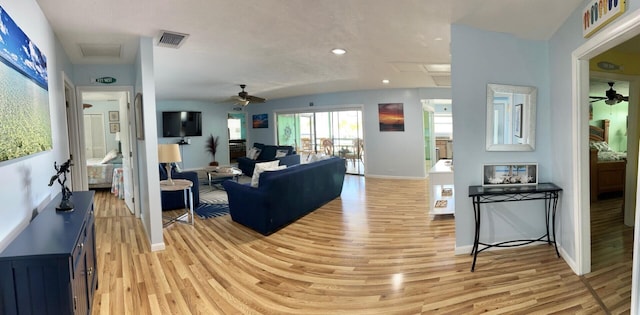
column 114, row 127
column 510, row 174
column 114, row 116
column 260, row 121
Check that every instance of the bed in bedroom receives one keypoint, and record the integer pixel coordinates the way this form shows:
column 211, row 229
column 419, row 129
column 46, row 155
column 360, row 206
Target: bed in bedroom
column 100, row 170
column 607, row 167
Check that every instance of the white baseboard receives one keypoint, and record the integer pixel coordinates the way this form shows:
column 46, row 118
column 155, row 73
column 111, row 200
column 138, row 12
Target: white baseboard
column 394, row 177
column 157, row 246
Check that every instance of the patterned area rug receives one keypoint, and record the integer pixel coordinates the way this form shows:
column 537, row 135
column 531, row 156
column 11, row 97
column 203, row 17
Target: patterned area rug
column 213, row 200
column 208, row 210
column 213, row 195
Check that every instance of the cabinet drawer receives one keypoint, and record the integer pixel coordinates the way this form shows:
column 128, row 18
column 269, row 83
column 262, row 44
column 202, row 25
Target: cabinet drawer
column 79, row 250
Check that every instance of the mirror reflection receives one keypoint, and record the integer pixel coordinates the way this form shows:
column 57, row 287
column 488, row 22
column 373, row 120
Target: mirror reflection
column 511, row 117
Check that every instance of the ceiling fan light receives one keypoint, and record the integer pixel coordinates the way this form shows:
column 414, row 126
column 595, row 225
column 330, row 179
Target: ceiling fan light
column 611, row 102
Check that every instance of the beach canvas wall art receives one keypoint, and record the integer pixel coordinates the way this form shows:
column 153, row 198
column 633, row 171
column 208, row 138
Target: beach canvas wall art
column 25, row 123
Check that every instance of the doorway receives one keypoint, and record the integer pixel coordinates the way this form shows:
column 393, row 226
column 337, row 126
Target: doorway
column 611, row 239
column 619, row 32
column 438, row 130
column 106, row 155
column 336, row 133
column 237, row 131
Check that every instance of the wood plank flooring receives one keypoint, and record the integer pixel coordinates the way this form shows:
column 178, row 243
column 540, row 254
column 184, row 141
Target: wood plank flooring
column 375, row 250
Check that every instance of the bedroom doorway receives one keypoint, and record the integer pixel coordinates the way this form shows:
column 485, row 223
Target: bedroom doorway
column 107, row 154
column 609, row 143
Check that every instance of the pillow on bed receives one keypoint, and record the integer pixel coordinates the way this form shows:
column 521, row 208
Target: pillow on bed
column 600, row 146
column 110, row 156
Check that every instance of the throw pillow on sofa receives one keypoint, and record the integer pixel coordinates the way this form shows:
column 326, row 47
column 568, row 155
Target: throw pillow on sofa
column 253, row 153
column 261, row 167
column 281, row 153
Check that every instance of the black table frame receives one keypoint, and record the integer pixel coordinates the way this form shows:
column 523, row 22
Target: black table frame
column 548, row 192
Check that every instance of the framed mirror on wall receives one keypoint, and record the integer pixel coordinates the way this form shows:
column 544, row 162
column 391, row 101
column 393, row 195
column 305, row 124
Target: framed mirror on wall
column 511, row 117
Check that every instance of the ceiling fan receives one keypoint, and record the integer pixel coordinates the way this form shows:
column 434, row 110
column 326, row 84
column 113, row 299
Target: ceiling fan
column 244, row 98
column 612, row 97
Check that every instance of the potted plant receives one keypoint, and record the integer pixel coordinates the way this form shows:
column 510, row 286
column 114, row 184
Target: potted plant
column 212, row 147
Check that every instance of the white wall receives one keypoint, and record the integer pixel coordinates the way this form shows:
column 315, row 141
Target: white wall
column 387, row 154
column 214, row 121
column 24, row 181
column 147, row 149
column 479, row 58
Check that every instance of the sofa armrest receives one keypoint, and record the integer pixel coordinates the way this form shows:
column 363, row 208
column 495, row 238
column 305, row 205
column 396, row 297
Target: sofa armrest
column 248, row 205
column 246, row 165
column 289, row 160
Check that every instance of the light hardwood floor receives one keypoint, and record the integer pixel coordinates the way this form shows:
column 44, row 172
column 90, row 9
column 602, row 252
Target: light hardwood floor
column 375, row 250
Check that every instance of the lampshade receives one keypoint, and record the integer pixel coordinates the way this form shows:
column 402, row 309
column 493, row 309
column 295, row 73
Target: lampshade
column 117, row 135
column 168, row 153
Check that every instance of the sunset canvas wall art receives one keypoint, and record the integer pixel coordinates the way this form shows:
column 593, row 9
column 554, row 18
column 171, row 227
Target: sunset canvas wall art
column 391, row 116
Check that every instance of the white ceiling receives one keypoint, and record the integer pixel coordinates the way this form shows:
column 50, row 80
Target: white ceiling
column 282, row 48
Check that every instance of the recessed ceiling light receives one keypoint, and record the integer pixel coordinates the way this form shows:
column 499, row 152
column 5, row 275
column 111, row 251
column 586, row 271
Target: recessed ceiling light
column 438, row 38
column 385, row 81
column 338, row 51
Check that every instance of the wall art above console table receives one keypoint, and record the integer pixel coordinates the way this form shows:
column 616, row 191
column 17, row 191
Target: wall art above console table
column 50, row 267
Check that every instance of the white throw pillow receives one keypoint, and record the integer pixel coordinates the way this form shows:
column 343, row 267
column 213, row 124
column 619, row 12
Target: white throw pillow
column 261, row 167
column 110, row 156
column 281, row 153
column 253, row 153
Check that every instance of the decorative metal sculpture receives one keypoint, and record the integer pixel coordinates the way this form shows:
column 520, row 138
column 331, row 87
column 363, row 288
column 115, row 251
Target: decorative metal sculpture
column 65, row 204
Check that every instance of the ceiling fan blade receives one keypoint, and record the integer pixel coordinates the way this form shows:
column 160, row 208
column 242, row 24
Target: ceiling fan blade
column 255, row 99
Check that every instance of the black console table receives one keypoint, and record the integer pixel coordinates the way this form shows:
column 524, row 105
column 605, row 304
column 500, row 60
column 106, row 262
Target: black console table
column 548, row 192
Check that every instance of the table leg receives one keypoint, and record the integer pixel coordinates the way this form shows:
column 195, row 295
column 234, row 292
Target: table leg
column 547, row 213
column 191, row 205
column 474, row 250
column 553, row 222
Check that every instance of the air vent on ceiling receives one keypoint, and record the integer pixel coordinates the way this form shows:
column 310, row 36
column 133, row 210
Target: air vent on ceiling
column 101, row 50
column 171, row 39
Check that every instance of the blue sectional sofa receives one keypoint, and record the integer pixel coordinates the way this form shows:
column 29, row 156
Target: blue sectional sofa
column 171, row 200
column 286, row 195
column 268, row 153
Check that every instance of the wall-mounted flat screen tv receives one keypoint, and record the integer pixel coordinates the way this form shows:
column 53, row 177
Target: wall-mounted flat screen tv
column 181, row 124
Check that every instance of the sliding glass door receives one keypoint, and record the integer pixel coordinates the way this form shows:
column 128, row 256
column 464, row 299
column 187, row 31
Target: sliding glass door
column 337, row 133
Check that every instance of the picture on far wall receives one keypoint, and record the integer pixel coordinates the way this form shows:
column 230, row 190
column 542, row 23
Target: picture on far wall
column 114, row 116
column 24, row 85
column 391, row 116
column 261, row 121
column 114, row 127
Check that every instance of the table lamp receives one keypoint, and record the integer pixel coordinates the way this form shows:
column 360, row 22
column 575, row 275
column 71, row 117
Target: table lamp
column 169, row 153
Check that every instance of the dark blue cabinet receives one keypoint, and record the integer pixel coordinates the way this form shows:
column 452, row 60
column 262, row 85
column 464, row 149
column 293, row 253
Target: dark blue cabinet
column 50, row 268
